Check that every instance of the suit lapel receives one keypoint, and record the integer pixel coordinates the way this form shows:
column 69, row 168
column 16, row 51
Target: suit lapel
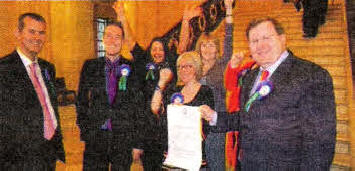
column 19, row 68
column 280, row 77
column 48, row 78
column 100, row 77
column 20, row 72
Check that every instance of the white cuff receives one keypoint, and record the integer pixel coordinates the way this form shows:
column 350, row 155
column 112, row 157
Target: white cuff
column 213, row 121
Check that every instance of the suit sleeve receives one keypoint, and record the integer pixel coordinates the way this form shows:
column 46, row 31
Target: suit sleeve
column 82, row 103
column 60, row 154
column 318, row 122
column 5, row 110
column 140, row 122
column 228, row 42
column 138, row 67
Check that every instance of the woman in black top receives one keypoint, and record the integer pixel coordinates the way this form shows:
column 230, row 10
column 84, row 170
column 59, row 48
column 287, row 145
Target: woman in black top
column 148, row 66
column 189, row 72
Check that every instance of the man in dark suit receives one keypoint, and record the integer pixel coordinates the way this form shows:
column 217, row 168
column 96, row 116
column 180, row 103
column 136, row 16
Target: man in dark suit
column 30, row 134
column 109, row 108
column 287, row 117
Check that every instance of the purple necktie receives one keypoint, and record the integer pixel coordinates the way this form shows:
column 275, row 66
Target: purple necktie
column 112, row 80
column 112, row 85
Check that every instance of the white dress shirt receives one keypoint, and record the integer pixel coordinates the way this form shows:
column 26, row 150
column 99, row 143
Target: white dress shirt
column 27, row 62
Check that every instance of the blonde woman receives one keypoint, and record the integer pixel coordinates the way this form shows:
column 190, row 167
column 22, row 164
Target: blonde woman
column 189, row 72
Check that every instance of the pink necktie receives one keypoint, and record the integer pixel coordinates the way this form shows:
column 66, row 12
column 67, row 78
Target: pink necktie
column 48, row 122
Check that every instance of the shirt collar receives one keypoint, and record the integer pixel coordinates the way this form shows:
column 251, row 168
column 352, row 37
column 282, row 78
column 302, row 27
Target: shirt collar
column 25, row 60
column 274, row 66
column 110, row 63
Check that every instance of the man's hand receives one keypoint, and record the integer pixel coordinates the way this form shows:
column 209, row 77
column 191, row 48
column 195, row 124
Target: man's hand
column 206, row 112
column 136, row 155
column 236, row 58
column 119, row 8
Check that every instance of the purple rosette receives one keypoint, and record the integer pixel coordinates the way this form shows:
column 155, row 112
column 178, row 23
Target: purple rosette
column 177, row 98
column 264, row 88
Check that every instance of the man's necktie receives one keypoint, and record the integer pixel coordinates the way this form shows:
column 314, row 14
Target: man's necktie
column 49, row 128
column 255, row 94
column 264, row 75
column 112, row 82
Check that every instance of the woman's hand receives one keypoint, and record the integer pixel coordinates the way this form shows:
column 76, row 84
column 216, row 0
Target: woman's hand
column 228, row 4
column 165, row 77
column 191, row 12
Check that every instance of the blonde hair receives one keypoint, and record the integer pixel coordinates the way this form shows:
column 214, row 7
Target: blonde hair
column 193, row 58
column 204, row 38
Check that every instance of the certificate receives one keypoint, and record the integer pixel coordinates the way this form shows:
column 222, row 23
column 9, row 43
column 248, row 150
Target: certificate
column 184, row 137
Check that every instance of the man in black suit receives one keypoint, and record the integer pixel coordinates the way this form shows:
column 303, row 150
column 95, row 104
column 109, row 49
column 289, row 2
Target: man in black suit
column 30, row 134
column 287, row 118
column 109, row 108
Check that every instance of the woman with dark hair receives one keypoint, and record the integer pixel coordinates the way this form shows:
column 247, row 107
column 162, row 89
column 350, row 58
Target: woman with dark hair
column 149, row 62
column 149, row 65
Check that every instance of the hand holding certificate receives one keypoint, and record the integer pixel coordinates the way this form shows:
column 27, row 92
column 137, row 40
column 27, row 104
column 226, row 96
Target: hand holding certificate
column 184, row 137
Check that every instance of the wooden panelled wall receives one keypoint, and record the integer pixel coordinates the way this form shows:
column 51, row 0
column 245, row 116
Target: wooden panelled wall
column 71, row 41
column 69, row 33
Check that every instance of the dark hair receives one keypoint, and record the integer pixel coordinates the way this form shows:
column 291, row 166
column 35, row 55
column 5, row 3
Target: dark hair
column 34, row 16
column 165, row 48
column 255, row 22
column 116, row 24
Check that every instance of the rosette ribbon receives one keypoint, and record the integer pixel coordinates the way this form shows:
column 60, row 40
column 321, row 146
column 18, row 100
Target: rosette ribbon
column 124, row 71
column 177, row 98
column 48, row 80
column 107, row 125
column 240, row 76
column 150, row 74
column 264, row 88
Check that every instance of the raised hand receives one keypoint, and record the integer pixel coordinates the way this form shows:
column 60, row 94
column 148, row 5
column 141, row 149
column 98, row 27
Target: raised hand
column 236, row 58
column 136, row 155
column 228, row 3
column 119, row 8
column 165, row 77
column 191, row 12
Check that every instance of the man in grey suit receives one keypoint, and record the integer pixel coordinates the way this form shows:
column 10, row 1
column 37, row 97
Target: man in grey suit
column 287, row 118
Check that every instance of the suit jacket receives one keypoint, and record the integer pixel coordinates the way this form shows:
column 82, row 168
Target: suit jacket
column 93, row 108
column 21, row 133
column 293, row 128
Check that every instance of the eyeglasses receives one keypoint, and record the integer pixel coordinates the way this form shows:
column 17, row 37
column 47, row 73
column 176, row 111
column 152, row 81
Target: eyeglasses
column 264, row 39
column 208, row 45
column 184, row 67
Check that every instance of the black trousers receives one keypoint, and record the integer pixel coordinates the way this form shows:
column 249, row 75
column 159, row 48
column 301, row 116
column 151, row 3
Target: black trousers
column 30, row 164
column 101, row 153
